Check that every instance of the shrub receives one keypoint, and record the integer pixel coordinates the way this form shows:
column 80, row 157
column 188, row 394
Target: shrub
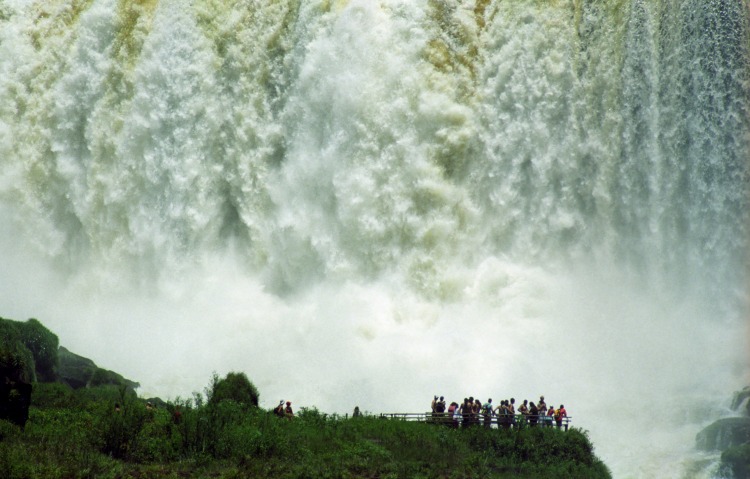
column 53, row 395
column 236, row 387
column 157, row 440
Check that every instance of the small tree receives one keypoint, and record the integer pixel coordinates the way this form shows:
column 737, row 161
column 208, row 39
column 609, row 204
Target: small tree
column 235, row 386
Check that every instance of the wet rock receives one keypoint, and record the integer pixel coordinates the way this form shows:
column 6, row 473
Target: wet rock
column 739, row 398
column 736, row 460
column 724, row 433
column 79, row 372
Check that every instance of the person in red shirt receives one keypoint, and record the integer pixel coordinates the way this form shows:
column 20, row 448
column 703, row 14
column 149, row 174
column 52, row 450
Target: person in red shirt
column 550, row 415
column 560, row 414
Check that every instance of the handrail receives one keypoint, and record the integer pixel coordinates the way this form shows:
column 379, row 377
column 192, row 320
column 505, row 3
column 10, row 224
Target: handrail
column 516, row 420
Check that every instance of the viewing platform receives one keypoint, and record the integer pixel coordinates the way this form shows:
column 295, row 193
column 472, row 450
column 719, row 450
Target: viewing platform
column 508, row 422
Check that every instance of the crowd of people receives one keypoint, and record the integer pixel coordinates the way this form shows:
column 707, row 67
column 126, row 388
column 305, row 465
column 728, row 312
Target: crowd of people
column 472, row 412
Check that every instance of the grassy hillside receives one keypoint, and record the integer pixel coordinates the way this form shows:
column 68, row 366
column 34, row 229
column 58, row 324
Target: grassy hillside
column 79, row 434
column 87, row 422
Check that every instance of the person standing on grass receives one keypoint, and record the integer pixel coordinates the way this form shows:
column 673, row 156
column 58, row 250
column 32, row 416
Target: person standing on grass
column 288, row 413
column 279, row 410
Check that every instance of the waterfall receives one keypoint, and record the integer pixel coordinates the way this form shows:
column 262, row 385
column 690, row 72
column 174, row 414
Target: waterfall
column 369, row 202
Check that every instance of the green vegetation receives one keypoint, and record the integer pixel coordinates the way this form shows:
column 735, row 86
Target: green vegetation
column 79, row 434
column 89, row 423
column 28, row 351
column 235, row 387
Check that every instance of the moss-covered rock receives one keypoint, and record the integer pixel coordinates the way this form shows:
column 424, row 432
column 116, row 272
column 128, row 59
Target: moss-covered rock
column 737, row 460
column 74, row 370
column 724, row 433
column 79, row 372
column 739, row 398
column 43, row 345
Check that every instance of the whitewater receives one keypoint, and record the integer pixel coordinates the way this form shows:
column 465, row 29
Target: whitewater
column 370, row 202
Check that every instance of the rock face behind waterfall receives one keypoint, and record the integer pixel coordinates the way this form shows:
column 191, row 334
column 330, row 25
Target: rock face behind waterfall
column 740, row 398
column 730, row 435
column 724, row 433
column 78, row 372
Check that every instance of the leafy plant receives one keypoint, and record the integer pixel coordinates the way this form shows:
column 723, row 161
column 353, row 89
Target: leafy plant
column 235, row 387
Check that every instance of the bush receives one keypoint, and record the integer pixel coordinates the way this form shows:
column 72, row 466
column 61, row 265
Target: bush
column 53, row 395
column 158, row 440
column 235, row 387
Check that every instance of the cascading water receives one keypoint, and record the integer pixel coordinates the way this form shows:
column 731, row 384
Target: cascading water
column 370, row 202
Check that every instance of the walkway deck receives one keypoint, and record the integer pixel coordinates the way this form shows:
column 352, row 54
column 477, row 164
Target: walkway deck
column 519, row 420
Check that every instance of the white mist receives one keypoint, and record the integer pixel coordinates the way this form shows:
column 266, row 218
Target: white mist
column 365, row 204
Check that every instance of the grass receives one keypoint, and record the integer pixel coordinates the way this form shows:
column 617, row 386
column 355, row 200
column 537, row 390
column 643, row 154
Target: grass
column 77, row 434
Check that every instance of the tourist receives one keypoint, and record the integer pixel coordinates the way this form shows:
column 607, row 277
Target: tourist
column 177, row 415
column 288, row 413
column 466, row 408
column 559, row 415
column 440, row 409
column 533, row 414
column 279, row 410
column 487, row 410
column 452, row 413
column 503, row 414
column 550, row 415
column 475, row 410
column 542, row 406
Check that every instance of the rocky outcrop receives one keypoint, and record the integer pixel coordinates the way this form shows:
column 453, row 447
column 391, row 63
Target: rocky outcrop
column 78, row 372
column 737, row 461
column 74, row 370
column 30, row 353
column 742, row 398
column 731, row 436
column 724, row 433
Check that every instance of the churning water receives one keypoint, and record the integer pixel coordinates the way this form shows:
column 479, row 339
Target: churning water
column 370, row 202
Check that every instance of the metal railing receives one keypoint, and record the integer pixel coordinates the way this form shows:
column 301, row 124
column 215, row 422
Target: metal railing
column 514, row 421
